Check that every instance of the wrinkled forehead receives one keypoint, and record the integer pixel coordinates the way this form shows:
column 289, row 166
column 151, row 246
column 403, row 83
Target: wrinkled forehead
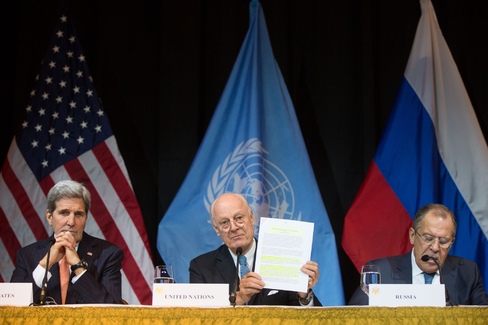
column 438, row 222
column 229, row 206
column 65, row 201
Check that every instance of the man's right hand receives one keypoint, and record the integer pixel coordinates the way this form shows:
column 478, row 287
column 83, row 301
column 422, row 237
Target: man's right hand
column 249, row 285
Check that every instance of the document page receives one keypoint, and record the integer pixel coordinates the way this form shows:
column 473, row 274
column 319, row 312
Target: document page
column 283, row 247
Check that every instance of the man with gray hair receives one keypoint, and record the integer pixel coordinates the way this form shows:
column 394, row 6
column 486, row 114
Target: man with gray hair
column 233, row 221
column 82, row 269
column 432, row 234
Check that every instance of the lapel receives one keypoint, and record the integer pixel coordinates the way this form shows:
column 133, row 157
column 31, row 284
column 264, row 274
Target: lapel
column 42, row 248
column 255, row 250
column 225, row 265
column 449, row 271
column 87, row 249
column 402, row 271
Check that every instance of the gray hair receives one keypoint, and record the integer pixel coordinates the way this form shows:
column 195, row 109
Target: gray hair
column 68, row 189
column 238, row 195
column 439, row 210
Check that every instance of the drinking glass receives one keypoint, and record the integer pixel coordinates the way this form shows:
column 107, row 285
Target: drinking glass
column 163, row 274
column 370, row 274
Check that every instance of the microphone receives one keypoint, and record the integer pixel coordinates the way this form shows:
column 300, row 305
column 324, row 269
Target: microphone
column 232, row 297
column 425, row 258
column 42, row 299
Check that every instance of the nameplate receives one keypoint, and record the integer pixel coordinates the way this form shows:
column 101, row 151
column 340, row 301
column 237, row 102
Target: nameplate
column 397, row 295
column 191, row 294
column 15, row 294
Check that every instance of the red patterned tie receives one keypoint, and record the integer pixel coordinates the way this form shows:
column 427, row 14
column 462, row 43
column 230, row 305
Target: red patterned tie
column 64, row 278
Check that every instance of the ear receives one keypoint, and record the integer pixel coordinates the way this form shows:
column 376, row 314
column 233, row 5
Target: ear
column 49, row 217
column 411, row 234
column 216, row 230
column 251, row 216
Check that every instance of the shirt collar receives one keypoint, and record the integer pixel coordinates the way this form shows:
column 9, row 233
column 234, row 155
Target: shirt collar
column 249, row 255
column 415, row 268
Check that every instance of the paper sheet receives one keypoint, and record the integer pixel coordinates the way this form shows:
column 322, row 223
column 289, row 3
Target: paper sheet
column 284, row 246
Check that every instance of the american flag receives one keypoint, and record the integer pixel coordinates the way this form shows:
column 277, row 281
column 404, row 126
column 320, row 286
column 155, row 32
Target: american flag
column 66, row 135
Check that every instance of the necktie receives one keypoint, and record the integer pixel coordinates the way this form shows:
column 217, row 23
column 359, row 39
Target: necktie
column 63, row 278
column 243, row 266
column 428, row 277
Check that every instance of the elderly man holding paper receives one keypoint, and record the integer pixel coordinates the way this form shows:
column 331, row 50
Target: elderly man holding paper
column 233, row 221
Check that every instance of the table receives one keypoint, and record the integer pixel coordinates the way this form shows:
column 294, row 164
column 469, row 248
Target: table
column 111, row 314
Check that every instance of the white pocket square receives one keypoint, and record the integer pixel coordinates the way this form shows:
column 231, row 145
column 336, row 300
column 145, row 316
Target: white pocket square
column 272, row 292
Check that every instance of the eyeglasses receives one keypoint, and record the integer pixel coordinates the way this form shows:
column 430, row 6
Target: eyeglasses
column 429, row 240
column 239, row 221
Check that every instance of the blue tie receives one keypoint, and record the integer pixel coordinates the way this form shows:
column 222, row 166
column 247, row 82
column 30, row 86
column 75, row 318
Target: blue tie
column 428, row 277
column 243, row 266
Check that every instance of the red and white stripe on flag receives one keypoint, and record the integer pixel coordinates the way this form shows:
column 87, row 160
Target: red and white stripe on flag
column 66, row 135
column 115, row 214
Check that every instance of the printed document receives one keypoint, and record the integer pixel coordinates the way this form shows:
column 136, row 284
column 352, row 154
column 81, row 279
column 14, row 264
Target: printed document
column 283, row 247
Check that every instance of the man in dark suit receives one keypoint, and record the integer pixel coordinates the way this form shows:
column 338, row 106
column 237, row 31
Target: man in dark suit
column 92, row 264
column 233, row 221
column 432, row 234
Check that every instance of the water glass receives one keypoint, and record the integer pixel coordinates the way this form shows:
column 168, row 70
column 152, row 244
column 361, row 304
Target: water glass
column 370, row 274
column 163, row 274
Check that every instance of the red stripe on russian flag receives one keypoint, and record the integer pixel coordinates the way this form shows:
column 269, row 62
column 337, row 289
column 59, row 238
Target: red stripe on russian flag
column 377, row 224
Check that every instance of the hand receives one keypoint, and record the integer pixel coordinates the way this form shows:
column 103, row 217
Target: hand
column 312, row 269
column 249, row 285
column 65, row 245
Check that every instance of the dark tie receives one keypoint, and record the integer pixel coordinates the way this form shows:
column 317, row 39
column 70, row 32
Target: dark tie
column 428, row 277
column 243, row 266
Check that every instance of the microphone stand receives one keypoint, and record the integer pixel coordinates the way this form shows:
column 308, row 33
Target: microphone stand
column 235, row 288
column 425, row 258
column 42, row 299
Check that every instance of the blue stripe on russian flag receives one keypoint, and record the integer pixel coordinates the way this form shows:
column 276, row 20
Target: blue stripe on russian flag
column 409, row 159
column 432, row 151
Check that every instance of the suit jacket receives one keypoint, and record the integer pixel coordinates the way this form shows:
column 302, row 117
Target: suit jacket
column 101, row 283
column 218, row 267
column 461, row 276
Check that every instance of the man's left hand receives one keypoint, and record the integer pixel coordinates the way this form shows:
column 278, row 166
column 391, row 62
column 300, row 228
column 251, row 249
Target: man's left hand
column 312, row 269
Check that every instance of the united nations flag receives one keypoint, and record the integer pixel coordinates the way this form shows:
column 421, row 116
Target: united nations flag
column 252, row 146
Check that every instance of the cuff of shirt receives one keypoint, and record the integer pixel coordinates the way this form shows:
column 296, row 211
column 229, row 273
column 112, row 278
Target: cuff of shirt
column 76, row 277
column 309, row 298
column 38, row 275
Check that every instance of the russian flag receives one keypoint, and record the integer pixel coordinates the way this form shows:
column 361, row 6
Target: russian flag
column 432, row 151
